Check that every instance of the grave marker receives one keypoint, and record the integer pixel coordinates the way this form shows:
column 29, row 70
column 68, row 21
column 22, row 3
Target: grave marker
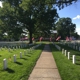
column 14, row 57
column 20, row 54
column 4, row 64
column 62, row 51
column 68, row 55
column 73, row 58
column 24, row 52
column 65, row 52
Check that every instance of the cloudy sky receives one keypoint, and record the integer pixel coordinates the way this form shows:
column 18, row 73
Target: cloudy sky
column 72, row 11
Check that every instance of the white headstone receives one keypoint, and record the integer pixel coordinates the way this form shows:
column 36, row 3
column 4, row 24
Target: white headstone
column 68, row 55
column 13, row 48
column 4, row 64
column 16, row 47
column 20, row 54
column 65, row 52
column 5, row 47
column 73, row 59
column 9, row 49
column 14, row 57
column 62, row 51
column 19, row 47
column 24, row 52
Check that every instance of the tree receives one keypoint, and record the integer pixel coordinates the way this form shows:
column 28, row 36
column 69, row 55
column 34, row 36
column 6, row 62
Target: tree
column 9, row 18
column 76, row 35
column 65, row 27
column 31, row 13
column 46, row 22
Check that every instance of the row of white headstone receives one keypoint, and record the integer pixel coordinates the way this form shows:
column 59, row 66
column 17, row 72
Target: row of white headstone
column 14, row 56
column 58, row 47
column 34, row 47
column 74, row 46
column 14, row 59
column 65, row 53
column 11, row 46
column 14, row 43
column 9, row 49
column 15, row 47
column 68, row 53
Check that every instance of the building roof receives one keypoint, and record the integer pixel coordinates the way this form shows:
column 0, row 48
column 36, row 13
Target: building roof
column 53, row 31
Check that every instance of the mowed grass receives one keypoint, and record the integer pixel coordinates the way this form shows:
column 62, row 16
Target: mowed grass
column 67, row 70
column 21, row 69
column 72, row 52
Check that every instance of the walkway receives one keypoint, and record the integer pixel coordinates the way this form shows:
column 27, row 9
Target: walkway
column 45, row 68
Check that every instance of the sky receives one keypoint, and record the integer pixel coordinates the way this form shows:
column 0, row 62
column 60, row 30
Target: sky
column 0, row 4
column 72, row 11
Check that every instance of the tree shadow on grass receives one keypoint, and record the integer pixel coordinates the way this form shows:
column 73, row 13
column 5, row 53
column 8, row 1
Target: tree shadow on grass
column 28, row 55
column 24, row 58
column 9, row 70
column 18, row 63
column 11, row 52
column 77, row 63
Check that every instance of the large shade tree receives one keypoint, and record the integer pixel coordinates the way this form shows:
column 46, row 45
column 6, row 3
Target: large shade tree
column 32, row 14
column 65, row 27
column 9, row 19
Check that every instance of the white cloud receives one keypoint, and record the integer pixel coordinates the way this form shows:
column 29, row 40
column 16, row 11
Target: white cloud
column 78, row 30
column 0, row 4
column 77, row 17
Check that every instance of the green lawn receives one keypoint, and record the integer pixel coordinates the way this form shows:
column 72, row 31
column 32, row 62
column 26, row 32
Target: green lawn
column 68, row 71
column 22, row 68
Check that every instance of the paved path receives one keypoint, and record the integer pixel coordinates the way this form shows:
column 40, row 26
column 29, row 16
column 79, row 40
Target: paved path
column 45, row 68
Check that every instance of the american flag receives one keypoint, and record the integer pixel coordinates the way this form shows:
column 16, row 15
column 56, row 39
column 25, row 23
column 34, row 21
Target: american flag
column 70, row 38
column 58, row 38
column 32, row 38
column 41, row 38
column 67, row 38
column 50, row 38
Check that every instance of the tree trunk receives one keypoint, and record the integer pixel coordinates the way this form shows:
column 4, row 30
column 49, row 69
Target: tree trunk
column 30, row 36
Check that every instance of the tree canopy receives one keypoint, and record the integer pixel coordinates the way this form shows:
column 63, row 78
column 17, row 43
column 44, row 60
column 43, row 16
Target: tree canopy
column 34, row 15
column 65, row 27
